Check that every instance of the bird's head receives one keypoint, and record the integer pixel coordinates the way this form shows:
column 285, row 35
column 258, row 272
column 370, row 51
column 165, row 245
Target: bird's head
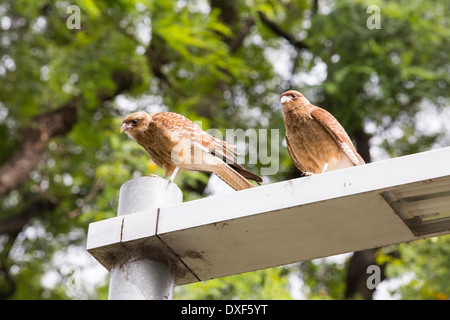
column 293, row 99
column 135, row 123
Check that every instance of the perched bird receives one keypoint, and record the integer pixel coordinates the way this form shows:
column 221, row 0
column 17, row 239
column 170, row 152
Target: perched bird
column 316, row 141
column 174, row 142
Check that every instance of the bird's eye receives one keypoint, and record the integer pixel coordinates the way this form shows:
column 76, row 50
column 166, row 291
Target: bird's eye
column 293, row 96
column 134, row 122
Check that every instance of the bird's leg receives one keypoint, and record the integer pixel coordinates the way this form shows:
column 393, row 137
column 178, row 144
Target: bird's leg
column 307, row 174
column 325, row 167
column 172, row 177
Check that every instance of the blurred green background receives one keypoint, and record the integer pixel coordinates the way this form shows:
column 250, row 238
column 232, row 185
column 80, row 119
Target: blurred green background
column 64, row 92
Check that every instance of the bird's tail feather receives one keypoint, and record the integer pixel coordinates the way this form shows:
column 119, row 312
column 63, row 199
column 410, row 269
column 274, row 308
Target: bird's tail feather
column 245, row 173
column 233, row 174
column 237, row 167
column 232, row 177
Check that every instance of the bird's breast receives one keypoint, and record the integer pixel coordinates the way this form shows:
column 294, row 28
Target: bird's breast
column 310, row 142
column 158, row 144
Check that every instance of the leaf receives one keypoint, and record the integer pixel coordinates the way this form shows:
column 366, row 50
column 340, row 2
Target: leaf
column 90, row 7
column 422, row 73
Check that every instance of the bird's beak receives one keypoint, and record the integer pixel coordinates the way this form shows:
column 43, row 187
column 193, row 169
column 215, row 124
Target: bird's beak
column 124, row 127
column 285, row 99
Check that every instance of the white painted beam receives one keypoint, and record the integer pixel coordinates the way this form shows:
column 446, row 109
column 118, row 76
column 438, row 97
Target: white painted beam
column 286, row 222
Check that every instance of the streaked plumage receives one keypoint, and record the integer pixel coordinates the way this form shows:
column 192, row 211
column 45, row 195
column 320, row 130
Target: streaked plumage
column 173, row 141
column 316, row 141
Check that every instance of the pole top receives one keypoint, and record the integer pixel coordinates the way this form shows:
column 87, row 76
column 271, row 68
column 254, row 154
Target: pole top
column 146, row 193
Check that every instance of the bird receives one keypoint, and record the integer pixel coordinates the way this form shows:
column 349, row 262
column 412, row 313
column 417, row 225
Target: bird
column 316, row 141
column 174, row 142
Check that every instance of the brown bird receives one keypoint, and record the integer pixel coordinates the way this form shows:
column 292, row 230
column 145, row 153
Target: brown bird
column 316, row 141
column 174, row 142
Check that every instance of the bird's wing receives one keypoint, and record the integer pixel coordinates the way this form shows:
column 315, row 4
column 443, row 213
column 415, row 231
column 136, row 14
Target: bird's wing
column 219, row 148
column 294, row 158
column 184, row 130
column 228, row 174
column 179, row 127
column 222, row 150
column 338, row 133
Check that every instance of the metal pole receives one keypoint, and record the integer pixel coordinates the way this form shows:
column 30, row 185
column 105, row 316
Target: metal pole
column 134, row 277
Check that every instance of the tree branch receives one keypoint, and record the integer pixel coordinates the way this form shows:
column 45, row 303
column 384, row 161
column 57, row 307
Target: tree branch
column 235, row 43
column 315, row 7
column 279, row 31
column 35, row 138
column 13, row 225
column 362, row 144
column 8, row 285
column 34, row 142
column 86, row 200
column 156, row 64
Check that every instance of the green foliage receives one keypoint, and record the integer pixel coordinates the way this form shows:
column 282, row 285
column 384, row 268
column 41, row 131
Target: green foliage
column 269, row 284
column 427, row 264
column 323, row 279
column 378, row 74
